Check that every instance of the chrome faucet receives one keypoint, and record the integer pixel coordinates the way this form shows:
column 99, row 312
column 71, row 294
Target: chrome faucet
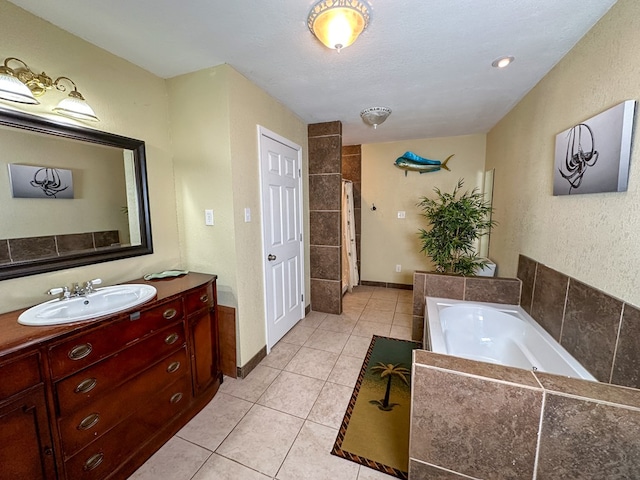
column 62, row 291
column 76, row 289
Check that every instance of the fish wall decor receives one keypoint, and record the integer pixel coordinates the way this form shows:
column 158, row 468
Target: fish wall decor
column 409, row 161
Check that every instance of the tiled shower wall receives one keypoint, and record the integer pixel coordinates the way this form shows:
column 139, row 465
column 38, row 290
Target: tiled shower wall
column 325, row 193
column 600, row 331
column 352, row 171
column 473, row 420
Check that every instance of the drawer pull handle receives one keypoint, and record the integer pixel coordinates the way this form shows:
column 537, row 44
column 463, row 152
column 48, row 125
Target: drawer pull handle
column 93, row 461
column 171, row 338
column 204, row 298
column 169, row 313
column 176, row 397
column 86, row 385
column 173, row 367
column 80, row 351
column 89, row 421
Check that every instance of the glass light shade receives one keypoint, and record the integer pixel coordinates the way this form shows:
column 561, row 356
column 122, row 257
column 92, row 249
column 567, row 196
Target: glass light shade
column 338, row 28
column 76, row 108
column 338, row 23
column 14, row 90
column 375, row 115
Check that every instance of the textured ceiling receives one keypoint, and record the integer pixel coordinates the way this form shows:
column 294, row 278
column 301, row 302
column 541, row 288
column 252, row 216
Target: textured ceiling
column 428, row 60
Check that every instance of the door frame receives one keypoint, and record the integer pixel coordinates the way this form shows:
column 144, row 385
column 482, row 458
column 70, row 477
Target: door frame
column 264, row 132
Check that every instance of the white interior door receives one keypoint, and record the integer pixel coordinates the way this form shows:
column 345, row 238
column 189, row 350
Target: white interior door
column 282, row 234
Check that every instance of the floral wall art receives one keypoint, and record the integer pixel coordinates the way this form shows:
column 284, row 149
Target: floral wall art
column 593, row 156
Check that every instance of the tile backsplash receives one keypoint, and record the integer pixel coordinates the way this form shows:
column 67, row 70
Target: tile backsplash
column 16, row 250
column 600, row 331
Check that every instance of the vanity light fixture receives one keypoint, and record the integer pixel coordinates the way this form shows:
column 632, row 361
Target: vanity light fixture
column 338, row 23
column 23, row 85
column 375, row 115
column 502, row 62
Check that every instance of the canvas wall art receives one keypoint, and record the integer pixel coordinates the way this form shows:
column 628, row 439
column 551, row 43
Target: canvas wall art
column 594, row 156
column 40, row 182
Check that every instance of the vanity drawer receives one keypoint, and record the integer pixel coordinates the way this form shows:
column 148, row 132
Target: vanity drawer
column 18, row 374
column 99, row 379
column 199, row 299
column 83, row 350
column 83, row 426
column 107, row 453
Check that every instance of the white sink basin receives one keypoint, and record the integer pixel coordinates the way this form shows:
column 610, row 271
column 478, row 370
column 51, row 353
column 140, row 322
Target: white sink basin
column 104, row 301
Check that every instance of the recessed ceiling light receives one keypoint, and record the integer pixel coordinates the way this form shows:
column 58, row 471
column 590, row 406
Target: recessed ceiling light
column 502, row 62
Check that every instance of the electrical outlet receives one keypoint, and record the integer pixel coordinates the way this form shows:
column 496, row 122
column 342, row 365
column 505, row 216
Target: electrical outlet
column 247, row 215
column 401, row 214
column 398, row 268
column 208, row 217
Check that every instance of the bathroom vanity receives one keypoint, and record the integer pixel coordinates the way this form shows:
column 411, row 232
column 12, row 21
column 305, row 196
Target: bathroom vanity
column 95, row 399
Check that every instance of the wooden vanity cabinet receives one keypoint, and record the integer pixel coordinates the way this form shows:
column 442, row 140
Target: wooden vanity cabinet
column 26, row 447
column 120, row 389
column 202, row 320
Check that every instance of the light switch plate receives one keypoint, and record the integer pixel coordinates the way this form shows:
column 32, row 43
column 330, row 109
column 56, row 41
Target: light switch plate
column 208, row 217
column 247, row 215
column 401, row 214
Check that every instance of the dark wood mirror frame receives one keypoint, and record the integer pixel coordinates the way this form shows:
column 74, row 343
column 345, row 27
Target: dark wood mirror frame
column 41, row 125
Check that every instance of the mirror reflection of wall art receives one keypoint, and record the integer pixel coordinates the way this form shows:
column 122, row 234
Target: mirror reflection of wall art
column 593, row 156
column 40, row 182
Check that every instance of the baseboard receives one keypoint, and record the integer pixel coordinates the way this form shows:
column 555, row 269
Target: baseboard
column 253, row 363
column 400, row 286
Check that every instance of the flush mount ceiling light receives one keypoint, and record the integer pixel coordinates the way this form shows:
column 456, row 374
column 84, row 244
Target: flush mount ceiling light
column 338, row 23
column 20, row 84
column 502, row 62
column 375, row 115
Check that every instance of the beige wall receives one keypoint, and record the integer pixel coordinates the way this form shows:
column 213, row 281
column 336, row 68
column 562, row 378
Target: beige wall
column 99, row 190
column 593, row 238
column 249, row 107
column 388, row 241
column 217, row 167
column 129, row 101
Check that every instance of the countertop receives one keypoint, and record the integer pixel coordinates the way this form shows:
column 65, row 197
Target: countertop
column 14, row 336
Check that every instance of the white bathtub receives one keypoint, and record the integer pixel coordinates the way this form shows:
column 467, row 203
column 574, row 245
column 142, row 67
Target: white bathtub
column 495, row 333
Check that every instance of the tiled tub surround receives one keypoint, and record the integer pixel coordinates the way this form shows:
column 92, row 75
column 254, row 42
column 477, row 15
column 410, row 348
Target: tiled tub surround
column 17, row 250
column 600, row 331
column 477, row 289
column 474, row 420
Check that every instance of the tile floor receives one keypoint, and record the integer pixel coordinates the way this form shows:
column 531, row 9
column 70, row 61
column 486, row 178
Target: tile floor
column 282, row 420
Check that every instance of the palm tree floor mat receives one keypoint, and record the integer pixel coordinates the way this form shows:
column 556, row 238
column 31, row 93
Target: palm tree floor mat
column 375, row 428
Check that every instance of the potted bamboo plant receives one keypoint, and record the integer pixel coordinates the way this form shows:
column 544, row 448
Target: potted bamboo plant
column 457, row 220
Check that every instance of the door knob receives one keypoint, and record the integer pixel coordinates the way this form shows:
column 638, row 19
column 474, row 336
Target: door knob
column 271, row 257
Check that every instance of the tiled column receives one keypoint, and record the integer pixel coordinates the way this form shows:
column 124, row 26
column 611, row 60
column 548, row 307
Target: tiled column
column 325, row 187
column 352, row 170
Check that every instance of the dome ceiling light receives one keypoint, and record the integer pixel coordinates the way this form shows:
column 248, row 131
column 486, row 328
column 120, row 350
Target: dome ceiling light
column 338, row 23
column 375, row 115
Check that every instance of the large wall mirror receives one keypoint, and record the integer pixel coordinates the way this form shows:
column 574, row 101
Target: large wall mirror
column 69, row 196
